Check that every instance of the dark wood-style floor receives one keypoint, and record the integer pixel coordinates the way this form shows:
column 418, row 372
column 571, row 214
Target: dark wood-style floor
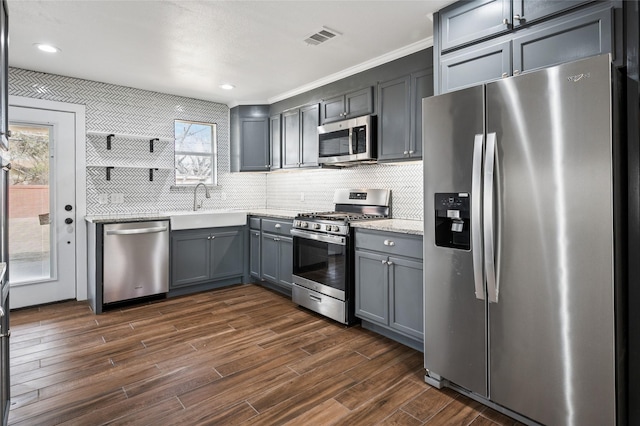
column 237, row 355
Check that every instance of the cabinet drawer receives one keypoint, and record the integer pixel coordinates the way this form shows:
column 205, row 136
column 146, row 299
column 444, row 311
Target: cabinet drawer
column 390, row 243
column 254, row 223
column 279, row 227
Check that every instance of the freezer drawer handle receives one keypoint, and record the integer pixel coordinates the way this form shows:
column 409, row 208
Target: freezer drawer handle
column 315, row 298
column 137, row 231
column 476, row 213
column 489, row 219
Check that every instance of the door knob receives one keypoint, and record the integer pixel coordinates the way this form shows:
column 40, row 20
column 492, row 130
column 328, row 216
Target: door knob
column 68, row 221
column 68, row 207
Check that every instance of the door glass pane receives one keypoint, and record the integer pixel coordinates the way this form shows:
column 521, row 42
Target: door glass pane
column 30, row 232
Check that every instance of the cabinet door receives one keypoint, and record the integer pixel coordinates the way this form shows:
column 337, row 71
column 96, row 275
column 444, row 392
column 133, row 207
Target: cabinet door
column 475, row 65
column 254, row 253
column 565, row 40
column 291, row 139
column 285, row 264
column 332, row 109
column 469, row 21
column 269, row 257
column 189, row 257
column 254, row 140
column 527, row 11
column 227, row 254
column 405, row 292
column 309, row 120
column 359, row 103
column 275, row 142
column 394, row 118
column 372, row 287
column 421, row 87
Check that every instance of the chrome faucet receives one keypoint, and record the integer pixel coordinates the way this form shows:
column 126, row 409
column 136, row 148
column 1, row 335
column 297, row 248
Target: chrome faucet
column 195, row 190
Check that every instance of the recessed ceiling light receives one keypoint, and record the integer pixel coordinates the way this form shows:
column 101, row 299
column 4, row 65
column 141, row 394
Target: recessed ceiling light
column 227, row 86
column 47, row 48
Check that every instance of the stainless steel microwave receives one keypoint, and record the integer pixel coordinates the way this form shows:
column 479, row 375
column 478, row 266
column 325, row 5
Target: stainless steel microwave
column 347, row 141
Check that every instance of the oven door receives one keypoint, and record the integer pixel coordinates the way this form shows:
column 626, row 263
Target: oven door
column 321, row 262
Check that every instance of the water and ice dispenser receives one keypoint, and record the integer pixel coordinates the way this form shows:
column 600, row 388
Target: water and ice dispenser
column 453, row 220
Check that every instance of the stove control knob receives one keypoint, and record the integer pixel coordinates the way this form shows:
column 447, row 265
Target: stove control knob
column 316, row 226
column 335, row 228
column 304, row 225
column 327, row 227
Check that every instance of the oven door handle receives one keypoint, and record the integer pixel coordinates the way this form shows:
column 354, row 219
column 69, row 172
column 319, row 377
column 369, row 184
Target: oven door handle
column 331, row 239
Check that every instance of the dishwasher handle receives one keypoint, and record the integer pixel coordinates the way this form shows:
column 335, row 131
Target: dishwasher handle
column 136, row 231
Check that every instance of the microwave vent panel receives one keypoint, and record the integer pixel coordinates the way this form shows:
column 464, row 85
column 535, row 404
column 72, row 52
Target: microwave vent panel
column 325, row 34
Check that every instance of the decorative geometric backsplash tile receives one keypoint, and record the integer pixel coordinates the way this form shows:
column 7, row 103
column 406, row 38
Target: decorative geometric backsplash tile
column 125, row 110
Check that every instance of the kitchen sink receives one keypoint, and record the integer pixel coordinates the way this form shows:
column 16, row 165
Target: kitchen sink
column 206, row 219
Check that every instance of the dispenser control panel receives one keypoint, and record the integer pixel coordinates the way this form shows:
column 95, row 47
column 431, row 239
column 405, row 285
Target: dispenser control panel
column 455, row 201
column 453, row 220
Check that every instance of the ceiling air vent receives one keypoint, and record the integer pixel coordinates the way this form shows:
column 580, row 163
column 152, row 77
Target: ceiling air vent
column 325, row 34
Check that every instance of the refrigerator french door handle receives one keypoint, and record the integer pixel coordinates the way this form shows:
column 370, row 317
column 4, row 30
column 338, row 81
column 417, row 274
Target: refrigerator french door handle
column 489, row 218
column 476, row 216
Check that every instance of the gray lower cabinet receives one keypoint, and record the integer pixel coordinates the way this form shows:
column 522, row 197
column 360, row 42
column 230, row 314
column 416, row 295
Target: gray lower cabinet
column 582, row 33
column 277, row 259
column 205, row 255
column 400, row 116
column 389, row 290
column 300, row 137
column 254, row 253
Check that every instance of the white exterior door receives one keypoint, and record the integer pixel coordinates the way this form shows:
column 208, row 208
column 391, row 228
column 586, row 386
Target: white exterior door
column 42, row 211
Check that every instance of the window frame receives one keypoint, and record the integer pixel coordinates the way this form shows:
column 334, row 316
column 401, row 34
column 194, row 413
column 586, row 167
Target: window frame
column 213, row 154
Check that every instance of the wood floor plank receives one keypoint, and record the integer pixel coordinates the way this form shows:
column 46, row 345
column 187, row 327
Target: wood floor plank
column 237, row 355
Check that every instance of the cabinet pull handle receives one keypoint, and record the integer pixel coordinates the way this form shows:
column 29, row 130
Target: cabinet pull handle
column 505, row 75
column 278, row 226
column 518, row 17
column 384, row 262
column 505, row 21
column 410, row 152
column 209, row 237
column 406, row 153
column 389, row 263
column 389, row 243
column 516, row 72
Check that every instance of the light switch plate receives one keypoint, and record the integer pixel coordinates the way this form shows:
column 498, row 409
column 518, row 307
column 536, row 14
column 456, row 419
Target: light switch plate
column 103, row 198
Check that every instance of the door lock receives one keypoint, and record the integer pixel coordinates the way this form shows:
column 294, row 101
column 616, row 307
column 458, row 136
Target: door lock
column 68, row 221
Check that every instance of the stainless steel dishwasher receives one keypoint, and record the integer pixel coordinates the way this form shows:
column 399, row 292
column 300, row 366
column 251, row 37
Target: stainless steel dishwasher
column 135, row 260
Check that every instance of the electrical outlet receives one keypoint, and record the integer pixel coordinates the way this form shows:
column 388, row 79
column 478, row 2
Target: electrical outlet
column 302, row 196
column 103, row 198
column 223, row 196
column 117, row 198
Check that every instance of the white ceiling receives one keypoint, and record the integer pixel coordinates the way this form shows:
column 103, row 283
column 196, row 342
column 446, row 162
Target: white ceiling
column 189, row 48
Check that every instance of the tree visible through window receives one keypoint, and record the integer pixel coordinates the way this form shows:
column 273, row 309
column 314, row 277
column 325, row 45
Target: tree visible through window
column 195, row 151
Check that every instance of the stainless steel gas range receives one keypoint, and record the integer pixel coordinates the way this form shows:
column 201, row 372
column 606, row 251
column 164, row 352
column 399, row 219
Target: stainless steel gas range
column 323, row 252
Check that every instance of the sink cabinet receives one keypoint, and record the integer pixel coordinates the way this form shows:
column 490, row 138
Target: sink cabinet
column 388, row 288
column 206, row 255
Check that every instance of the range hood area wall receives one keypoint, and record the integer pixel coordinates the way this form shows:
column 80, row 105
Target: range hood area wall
column 125, row 110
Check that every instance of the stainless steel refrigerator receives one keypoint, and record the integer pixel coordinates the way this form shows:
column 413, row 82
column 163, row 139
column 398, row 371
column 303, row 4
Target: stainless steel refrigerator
column 521, row 244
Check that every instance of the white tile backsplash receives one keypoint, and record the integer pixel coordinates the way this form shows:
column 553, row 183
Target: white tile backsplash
column 118, row 109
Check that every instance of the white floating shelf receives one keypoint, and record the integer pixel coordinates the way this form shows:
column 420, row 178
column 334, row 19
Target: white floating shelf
column 128, row 136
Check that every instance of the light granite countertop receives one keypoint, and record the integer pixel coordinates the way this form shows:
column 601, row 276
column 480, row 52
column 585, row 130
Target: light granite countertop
column 403, row 226
column 139, row 217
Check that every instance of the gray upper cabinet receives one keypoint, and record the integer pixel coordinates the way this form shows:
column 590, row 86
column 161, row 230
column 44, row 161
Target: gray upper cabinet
column 309, row 121
column 291, row 139
column 579, row 33
column 473, row 65
column 300, row 137
column 469, row 21
column 400, row 116
column 346, row 106
column 250, row 150
column 527, row 11
column 275, row 141
column 557, row 42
